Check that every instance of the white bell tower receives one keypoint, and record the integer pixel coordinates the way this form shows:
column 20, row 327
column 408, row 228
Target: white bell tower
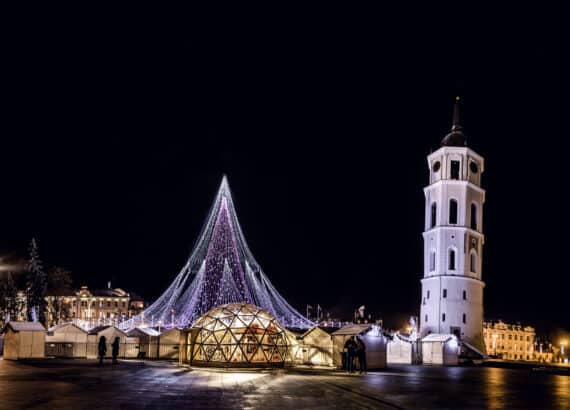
column 452, row 289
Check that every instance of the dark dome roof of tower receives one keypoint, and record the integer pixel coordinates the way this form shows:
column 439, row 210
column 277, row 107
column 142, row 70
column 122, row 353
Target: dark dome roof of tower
column 456, row 138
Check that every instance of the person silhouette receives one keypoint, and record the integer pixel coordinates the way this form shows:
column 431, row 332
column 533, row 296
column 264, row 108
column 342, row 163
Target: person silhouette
column 102, row 349
column 115, row 349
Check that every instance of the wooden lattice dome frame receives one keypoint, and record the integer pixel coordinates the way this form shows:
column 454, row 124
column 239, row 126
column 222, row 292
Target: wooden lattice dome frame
column 238, row 335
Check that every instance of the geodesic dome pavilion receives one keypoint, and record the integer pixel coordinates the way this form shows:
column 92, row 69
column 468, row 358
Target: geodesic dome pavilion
column 238, row 335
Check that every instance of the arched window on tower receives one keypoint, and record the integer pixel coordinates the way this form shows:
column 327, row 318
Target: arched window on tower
column 452, row 211
column 432, row 261
column 451, row 264
column 433, row 218
column 474, row 217
column 473, row 262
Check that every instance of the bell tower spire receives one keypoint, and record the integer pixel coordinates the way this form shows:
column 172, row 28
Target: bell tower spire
column 455, row 125
column 456, row 137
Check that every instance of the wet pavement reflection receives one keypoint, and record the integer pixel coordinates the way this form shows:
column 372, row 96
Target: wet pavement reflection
column 81, row 384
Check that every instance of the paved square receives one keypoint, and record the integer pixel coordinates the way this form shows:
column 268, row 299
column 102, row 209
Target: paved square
column 81, row 384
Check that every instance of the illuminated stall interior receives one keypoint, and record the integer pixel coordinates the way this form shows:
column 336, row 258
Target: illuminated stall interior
column 238, row 335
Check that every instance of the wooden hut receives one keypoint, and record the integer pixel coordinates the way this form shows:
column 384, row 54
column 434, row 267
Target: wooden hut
column 169, row 343
column 316, row 347
column 372, row 336
column 66, row 340
column 148, row 341
column 128, row 346
column 440, row 349
column 24, row 340
column 400, row 350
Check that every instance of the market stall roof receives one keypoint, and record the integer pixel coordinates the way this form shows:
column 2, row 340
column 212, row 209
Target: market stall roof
column 25, row 326
column 438, row 337
column 62, row 325
column 352, row 329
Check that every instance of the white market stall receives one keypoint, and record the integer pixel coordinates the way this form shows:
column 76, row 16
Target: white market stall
column 440, row 349
column 399, row 350
column 128, row 346
column 66, row 340
column 372, row 336
column 316, row 347
column 24, row 340
column 148, row 341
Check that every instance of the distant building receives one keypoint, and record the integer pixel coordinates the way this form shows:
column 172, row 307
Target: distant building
column 96, row 307
column 509, row 342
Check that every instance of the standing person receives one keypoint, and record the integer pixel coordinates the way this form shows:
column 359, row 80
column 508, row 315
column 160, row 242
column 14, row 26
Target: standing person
column 361, row 354
column 102, row 349
column 115, row 349
column 350, row 346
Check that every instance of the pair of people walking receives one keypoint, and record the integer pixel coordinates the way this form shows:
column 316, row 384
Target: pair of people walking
column 102, row 349
column 355, row 349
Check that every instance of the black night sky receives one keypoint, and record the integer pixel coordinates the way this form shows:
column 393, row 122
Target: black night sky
column 116, row 133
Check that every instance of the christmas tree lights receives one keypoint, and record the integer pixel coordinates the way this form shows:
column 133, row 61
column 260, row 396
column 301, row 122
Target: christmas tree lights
column 220, row 270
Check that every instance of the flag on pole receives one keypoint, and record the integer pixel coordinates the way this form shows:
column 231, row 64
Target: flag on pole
column 309, row 307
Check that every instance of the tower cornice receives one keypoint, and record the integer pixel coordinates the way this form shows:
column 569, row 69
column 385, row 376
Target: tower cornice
column 456, row 150
column 455, row 182
column 455, row 228
column 459, row 277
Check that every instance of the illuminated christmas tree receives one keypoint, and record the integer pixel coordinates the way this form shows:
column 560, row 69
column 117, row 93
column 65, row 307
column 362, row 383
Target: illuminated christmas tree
column 220, row 270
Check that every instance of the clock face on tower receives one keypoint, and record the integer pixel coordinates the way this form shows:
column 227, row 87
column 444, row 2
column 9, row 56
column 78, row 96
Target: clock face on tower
column 473, row 167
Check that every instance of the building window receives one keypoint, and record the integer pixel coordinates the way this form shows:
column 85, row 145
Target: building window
column 108, row 304
column 432, row 261
column 444, row 293
column 474, row 217
column 452, row 211
column 464, row 295
column 428, row 294
column 433, row 219
column 454, row 169
column 426, row 319
column 443, row 317
column 464, row 318
column 451, row 259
